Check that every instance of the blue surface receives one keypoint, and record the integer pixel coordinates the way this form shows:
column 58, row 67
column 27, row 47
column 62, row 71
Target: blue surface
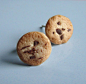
column 67, row 62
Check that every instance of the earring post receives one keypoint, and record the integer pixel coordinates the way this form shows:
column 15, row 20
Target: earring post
column 42, row 26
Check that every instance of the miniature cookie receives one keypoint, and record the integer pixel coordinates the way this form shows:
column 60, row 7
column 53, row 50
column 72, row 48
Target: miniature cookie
column 34, row 48
column 59, row 29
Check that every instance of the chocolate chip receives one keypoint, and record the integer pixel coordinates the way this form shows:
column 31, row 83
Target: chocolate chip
column 45, row 44
column 53, row 32
column 59, row 31
column 33, row 49
column 63, row 29
column 59, row 23
column 69, row 30
column 40, row 57
column 32, row 57
column 36, row 43
column 30, row 52
column 61, row 37
column 25, row 47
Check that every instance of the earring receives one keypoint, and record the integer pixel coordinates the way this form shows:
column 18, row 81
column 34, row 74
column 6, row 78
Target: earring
column 58, row 29
column 34, row 48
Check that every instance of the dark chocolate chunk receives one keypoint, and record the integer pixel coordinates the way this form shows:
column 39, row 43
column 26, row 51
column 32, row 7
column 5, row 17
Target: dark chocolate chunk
column 69, row 30
column 59, row 23
column 33, row 49
column 30, row 52
column 59, row 31
column 45, row 44
column 36, row 43
column 61, row 37
column 63, row 29
column 53, row 32
column 40, row 57
column 32, row 57
column 25, row 47
column 25, row 52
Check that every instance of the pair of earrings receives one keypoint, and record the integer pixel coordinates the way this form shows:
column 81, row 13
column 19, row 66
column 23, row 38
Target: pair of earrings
column 34, row 48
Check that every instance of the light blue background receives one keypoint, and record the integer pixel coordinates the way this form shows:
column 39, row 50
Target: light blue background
column 67, row 62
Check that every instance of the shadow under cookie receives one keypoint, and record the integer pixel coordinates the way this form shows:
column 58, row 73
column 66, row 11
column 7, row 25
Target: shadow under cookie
column 11, row 58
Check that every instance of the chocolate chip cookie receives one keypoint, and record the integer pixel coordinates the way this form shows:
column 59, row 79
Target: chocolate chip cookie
column 59, row 29
column 34, row 48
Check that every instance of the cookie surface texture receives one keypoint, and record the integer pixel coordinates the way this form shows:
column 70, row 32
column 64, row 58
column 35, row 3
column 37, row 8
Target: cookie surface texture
column 59, row 29
column 34, row 48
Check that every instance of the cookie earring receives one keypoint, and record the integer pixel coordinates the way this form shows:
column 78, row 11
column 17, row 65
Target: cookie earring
column 58, row 29
column 34, row 48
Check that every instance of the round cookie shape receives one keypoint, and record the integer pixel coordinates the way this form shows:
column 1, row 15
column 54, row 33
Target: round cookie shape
column 34, row 48
column 59, row 29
